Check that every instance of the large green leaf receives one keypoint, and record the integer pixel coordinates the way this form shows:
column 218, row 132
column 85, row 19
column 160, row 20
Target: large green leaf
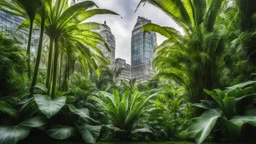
column 114, row 128
column 74, row 10
column 60, row 132
column 229, row 106
column 137, row 107
column 176, row 9
column 245, row 96
column 83, row 113
column 212, row 14
column 234, row 125
column 12, row 134
column 48, row 106
column 204, row 124
column 216, row 98
column 240, row 120
column 89, row 133
column 206, row 104
column 200, row 10
column 142, row 130
column 34, row 122
column 158, row 29
column 240, row 85
column 233, row 129
column 90, row 13
column 116, row 97
column 123, row 107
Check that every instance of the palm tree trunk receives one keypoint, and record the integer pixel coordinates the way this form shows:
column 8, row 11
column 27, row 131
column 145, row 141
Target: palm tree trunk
column 61, row 63
column 49, row 66
column 28, row 47
column 55, row 68
column 39, row 51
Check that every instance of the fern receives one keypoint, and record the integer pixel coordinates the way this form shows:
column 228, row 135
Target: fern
column 7, row 108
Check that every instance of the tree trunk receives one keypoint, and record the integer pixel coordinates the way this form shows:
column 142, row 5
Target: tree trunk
column 28, row 48
column 39, row 51
column 61, row 63
column 49, row 66
column 55, row 68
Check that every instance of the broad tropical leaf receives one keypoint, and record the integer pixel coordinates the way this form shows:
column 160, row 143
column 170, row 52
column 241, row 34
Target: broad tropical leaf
column 89, row 133
column 60, row 132
column 240, row 120
column 204, row 124
column 34, row 122
column 240, row 85
column 48, row 106
column 12, row 134
column 83, row 113
column 142, row 130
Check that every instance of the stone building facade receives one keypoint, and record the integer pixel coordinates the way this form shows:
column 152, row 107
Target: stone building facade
column 9, row 24
column 110, row 40
column 126, row 73
column 8, row 27
column 142, row 46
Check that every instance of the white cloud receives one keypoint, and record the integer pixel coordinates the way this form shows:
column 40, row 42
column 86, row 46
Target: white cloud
column 122, row 28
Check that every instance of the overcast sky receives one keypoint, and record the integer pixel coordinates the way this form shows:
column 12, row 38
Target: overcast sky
column 122, row 28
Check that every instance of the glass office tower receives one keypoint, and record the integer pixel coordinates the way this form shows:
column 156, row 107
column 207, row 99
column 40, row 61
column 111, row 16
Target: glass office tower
column 142, row 45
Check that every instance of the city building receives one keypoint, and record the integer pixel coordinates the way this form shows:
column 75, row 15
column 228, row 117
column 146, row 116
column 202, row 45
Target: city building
column 110, row 40
column 76, row 1
column 126, row 73
column 9, row 25
column 142, row 45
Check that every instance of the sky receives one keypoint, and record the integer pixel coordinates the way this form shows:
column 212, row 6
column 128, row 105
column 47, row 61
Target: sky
column 121, row 28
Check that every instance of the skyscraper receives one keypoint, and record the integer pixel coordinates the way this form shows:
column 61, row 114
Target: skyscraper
column 142, row 46
column 110, row 39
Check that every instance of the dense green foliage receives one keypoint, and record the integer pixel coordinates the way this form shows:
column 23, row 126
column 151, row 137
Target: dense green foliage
column 124, row 111
column 203, row 89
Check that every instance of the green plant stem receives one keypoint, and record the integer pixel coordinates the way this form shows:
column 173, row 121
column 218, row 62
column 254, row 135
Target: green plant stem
column 61, row 63
column 28, row 48
column 39, row 51
column 55, row 68
column 49, row 66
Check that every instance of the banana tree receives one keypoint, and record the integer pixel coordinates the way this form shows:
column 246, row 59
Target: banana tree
column 80, row 49
column 63, row 22
column 26, row 9
column 228, row 109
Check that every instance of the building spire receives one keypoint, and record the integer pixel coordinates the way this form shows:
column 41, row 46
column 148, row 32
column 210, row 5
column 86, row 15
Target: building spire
column 105, row 23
